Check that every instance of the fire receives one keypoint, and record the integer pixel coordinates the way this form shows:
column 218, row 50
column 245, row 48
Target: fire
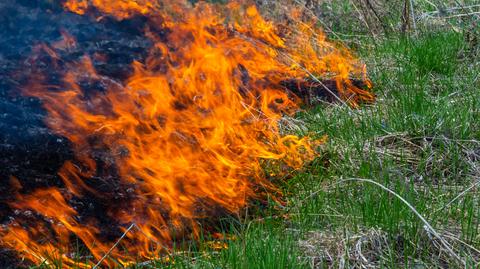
column 188, row 133
column 122, row 9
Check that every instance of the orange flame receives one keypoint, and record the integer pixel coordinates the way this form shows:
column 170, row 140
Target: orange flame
column 190, row 130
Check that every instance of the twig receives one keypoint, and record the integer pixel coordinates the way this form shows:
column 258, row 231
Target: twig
column 425, row 222
column 405, row 17
column 114, row 246
column 461, row 242
column 465, row 8
column 449, row 10
column 412, row 12
column 462, row 15
column 427, row 225
column 448, row 139
column 458, row 196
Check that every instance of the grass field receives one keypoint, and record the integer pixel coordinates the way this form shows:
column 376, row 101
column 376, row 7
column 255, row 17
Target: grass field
column 397, row 183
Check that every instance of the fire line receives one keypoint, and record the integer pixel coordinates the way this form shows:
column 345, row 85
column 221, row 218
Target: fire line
column 185, row 137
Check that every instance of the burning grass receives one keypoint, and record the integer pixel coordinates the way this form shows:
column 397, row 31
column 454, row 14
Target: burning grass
column 182, row 139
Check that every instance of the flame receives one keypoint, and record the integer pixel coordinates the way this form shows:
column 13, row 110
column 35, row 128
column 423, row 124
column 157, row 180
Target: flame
column 120, row 8
column 189, row 132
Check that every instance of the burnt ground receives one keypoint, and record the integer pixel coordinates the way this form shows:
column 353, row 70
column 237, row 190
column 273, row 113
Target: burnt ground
column 29, row 151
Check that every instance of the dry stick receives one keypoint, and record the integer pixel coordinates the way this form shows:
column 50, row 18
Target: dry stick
column 450, row 10
column 427, row 225
column 448, row 139
column 462, row 242
column 412, row 12
column 405, row 18
column 464, row 8
column 462, row 15
column 458, row 196
column 114, row 246
column 437, row 14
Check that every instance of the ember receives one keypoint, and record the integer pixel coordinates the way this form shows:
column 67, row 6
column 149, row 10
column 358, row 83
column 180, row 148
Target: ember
column 180, row 135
